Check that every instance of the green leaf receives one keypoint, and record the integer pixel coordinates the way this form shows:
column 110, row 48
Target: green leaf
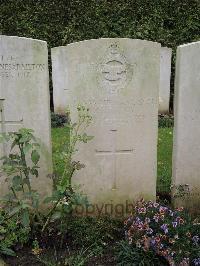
column 4, row 137
column 14, row 210
column 16, row 181
column 48, row 199
column 26, row 205
column 27, row 148
column 34, row 172
column 7, row 251
column 55, row 196
column 79, row 166
column 26, row 181
column 85, row 138
column 35, row 156
column 25, row 218
column 13, row 144
column 89, row 138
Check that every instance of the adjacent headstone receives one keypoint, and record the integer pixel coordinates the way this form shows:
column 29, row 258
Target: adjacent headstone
column 186, row 153
column 118, row 79
column 165, row 75
column 24, row 97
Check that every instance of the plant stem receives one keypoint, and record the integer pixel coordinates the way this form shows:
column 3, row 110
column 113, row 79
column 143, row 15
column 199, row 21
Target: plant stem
column 50, row 214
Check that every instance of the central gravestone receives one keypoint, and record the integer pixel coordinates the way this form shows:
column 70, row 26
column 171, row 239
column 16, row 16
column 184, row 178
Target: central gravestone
column 118, row 79
column 24, row 99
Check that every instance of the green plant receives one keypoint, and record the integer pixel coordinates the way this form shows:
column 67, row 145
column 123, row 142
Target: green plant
column 78, row 259
column 96, row 233
column 64, row 197
column 12, row 234
column 58, row 120
column 165, row 121
column 180, row 191
column 164, row 164
column 65, row 258
column 127, row 254
column 169, row 233
column 19, row 166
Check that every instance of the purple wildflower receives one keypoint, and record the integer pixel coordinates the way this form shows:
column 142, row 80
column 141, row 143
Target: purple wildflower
column 186, row 261
column 155, row 205
column 164, row 227
column 195, row 239
column 150, row 204
column 149, row 231
column 137, row 220
column 153, row 242
column 156, row 218
column 174, row 224
column 161, row 246
column 196, row 261
column 142, row 210
column 162, row 209
column 147, row 220
column 140, row 227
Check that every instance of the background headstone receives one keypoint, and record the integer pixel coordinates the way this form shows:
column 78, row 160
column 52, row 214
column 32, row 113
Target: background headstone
column 186, row 151
column 118, row 79
column 24, row 97
column 165, row 75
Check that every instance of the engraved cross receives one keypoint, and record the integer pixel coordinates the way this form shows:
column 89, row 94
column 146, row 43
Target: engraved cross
column 113, row 152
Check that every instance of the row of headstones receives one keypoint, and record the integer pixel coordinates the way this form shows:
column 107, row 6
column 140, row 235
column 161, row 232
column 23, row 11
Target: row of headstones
column 119, row 80
column 164, row 89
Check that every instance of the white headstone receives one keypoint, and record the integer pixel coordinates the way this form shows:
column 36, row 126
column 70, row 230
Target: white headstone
column 165, row 75
column 186, row 152
column 118, row 79
column 24, row 97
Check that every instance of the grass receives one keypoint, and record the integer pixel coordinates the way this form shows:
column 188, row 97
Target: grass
column 61, row 136
column 164, row 167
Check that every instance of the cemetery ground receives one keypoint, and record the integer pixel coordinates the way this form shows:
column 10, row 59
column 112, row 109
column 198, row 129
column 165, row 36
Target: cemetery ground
column 94, row 241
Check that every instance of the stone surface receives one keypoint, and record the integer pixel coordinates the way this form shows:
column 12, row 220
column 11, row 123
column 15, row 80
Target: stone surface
column 24, row 96
column 118, row 79
column 165, row 75
column 186, row 154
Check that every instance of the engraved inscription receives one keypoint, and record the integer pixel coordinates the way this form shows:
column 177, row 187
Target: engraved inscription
column 11, row 67
column 114, row 69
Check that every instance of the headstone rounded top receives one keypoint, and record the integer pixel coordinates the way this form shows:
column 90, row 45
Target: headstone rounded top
column 188, row 44
column 108, row 39
column 21, row 38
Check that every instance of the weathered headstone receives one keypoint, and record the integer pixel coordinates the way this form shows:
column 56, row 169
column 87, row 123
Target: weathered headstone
column 165, row 75
column 24, row 97
column 186, row 151
column 118, row 79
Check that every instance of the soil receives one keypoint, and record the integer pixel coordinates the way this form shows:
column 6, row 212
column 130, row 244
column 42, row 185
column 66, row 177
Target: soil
column 26, row 258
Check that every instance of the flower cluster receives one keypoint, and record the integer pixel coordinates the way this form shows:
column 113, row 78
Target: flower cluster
column 170, row 233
